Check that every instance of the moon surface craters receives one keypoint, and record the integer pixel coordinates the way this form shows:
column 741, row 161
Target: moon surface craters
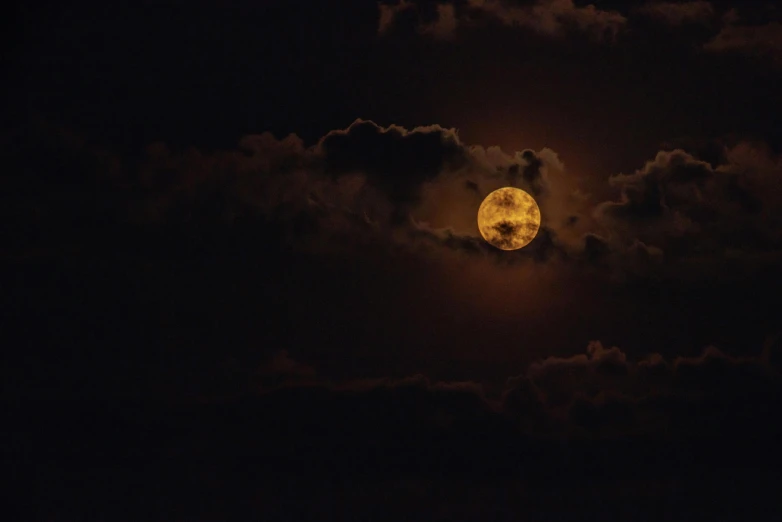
column 509, row 218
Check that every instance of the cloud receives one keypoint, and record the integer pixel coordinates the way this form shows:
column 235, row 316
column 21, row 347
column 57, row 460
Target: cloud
column 444, row 27
column 609, row 370
column 543, row 249
column 388, row 13
column 365, row 183
column 673, row 13
column 678, row 205
column 552, row 17
column 601, row 392
column 560, row 378
column 716, row 373
column 756, row 40
column 605, row 393
column 419, row 189
column 283, row 364
column 548, row 17
column 396, row 160
column 613, row 413
column 384, row 412
column 411, row 446
column 645, row 193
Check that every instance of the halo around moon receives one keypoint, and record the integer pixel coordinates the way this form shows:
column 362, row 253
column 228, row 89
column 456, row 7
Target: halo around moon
column 509, row 218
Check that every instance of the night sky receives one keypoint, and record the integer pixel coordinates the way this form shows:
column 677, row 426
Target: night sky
column 243, row 277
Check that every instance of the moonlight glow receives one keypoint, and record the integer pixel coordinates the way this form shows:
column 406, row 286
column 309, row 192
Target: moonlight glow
column 509, row 218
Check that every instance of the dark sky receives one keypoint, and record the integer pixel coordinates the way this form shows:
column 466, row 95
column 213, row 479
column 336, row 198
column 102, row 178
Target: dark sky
column 223, row 216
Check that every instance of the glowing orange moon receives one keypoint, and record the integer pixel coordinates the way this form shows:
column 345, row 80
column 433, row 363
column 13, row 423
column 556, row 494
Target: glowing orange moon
column 509, row 218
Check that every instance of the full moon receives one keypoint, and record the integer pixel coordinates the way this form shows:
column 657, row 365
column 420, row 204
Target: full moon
column 509, row 218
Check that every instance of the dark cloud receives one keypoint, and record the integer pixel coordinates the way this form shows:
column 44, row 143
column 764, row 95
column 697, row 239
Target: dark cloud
column 396, row 160
column 714, row 372
column 680, row 205
column 522, row 397
column 544, row 248
column 760, row 40
column 364, row 180
column 679, row 13
column 366, row 174
column 548, row 17
column 419, row 188
column 604, row 393
column 645, row 194
column 356, row 184
column 604, row 412
column 383, row 454
column 653, row 365
column 451, row 240
column 601, row 392
column 560, row 378
column 531, row 173
column 445, row 24
column 596, row 248
column 471, row 185
column 283, row 370
column 389, row 12
column 609, row 370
